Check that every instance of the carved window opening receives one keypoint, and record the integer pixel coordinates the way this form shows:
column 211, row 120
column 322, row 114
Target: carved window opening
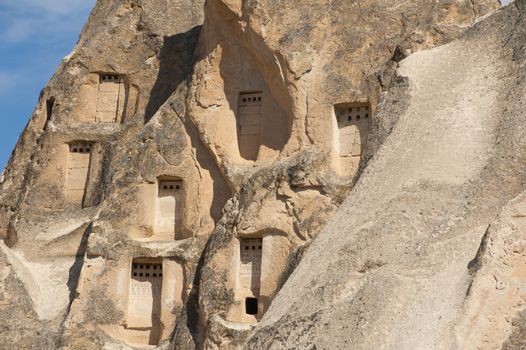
column 105, row 78
column 79, row 159
column 110, row 98
column 251, row 306
column 353, row 120
column 50, row 103
column 169, row 207
column 249, row 124
column 144, row 301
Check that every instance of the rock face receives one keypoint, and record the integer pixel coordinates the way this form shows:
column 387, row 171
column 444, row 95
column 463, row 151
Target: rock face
column 397, row 267
column 268, row 175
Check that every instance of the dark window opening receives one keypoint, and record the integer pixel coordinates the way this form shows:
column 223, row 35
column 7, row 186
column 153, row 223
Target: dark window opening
column 108, row 77
column 251, row 306
column 49, row 111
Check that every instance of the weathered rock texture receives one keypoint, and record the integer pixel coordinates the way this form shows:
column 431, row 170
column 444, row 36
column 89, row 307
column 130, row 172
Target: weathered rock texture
column 179, row 182
column 427, row 252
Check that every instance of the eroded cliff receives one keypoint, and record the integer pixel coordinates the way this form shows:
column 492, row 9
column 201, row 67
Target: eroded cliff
column 179, row 182
column 427, row 250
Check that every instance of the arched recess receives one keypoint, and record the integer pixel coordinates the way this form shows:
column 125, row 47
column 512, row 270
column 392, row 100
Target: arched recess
column 244, row 111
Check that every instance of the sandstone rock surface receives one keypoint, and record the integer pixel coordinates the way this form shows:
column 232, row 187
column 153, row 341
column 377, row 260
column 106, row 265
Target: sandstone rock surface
column 268, row 175
column 396, row 268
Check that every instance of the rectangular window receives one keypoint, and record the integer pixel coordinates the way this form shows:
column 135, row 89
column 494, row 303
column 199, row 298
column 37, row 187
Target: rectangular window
column 147, row 271
column 251, row 306
column 109, row 78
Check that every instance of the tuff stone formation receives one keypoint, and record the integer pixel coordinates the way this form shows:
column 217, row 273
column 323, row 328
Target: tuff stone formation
column 273, row 175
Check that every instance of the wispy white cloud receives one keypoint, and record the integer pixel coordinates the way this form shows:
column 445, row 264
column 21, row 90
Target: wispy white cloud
column 34, row 36
column 23, row 20
column 34, row 31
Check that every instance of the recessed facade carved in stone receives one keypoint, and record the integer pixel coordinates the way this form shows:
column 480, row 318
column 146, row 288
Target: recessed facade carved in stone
column 353, row 123
column 249, row 124
column 79, row 160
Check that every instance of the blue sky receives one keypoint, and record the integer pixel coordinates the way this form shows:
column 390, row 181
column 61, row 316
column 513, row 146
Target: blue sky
column 34, row 37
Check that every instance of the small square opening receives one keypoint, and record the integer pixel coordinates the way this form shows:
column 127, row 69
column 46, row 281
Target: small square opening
column 105, row 78
column 251, row 306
